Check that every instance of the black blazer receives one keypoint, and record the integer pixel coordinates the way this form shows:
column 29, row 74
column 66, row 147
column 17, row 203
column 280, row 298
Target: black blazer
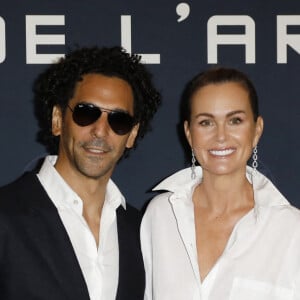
column 37, row 260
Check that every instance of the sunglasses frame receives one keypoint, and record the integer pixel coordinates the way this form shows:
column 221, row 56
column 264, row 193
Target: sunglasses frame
column 111, row 114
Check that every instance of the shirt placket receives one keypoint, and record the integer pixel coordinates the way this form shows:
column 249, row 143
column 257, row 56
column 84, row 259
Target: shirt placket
column 184, row 215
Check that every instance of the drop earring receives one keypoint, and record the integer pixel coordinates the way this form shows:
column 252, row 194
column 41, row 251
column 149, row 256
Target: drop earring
column 193, row 166
column 254, row 160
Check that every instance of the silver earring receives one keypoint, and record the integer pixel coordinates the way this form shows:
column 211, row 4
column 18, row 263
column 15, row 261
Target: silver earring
column 254, row 159
column 193, row 175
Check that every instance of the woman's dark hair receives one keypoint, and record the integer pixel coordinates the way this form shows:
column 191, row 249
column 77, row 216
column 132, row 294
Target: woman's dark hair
column 217, row 76
column 56, row 85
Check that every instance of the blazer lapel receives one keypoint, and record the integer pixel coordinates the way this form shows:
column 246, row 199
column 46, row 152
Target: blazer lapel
column 51, row 240
column 131, row 268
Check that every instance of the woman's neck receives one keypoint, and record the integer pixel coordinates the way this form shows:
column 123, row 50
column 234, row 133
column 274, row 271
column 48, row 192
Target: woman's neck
column 221, row 194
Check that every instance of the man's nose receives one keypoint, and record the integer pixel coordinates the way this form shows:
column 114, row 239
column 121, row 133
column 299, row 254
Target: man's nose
column 100, row 127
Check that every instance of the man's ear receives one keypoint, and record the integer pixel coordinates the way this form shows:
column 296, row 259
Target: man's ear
column 132, row 136
column 56, row 120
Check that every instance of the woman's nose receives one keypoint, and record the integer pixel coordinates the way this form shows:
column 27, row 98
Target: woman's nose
column 221, row 133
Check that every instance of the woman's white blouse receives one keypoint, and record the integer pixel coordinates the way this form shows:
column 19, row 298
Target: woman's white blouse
column 261, row 260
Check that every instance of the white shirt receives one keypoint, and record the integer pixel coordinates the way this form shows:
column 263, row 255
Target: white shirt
column 261, row 260
column 100, row 266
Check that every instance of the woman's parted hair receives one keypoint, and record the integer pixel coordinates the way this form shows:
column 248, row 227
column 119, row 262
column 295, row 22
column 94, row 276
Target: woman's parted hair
column 217, row 76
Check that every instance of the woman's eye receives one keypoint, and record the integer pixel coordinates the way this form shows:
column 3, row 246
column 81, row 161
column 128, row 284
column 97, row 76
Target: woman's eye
column 235, row 121
column 206, row 123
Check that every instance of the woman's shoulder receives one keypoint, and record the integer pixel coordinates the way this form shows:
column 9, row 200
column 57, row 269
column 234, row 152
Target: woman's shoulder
column 159, row 201
column 287, row 217
column 288, row 212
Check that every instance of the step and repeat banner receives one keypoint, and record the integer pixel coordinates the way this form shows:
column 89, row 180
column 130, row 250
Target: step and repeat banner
column 176, row 40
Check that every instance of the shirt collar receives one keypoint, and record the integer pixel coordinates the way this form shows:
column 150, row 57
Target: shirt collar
column 265, row 193
column 62, row 194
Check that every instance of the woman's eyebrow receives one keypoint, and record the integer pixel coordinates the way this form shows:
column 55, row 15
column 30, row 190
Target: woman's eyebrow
column 204, row 114
column 235, row 112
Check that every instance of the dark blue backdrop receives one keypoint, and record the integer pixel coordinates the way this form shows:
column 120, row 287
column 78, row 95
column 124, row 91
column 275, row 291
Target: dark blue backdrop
column 177, row 35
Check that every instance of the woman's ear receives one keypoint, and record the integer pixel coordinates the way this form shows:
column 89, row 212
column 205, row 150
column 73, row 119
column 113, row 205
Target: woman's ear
column 259, row 127
column 187, row 132
column 56, row 120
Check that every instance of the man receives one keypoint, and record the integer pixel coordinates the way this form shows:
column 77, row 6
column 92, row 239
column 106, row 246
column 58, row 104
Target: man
column 66, row 232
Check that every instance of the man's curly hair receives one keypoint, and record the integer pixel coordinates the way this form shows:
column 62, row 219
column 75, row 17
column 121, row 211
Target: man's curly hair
column 56, row 85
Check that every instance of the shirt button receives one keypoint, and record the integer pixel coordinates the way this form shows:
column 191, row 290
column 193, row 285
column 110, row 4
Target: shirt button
column 75, row 202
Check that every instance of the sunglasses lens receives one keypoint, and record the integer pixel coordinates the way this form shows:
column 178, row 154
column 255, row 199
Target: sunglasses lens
column 121, row 123
column 85, row 115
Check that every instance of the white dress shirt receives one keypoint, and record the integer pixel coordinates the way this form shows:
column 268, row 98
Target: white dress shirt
column 261, row 260
column 100, row 266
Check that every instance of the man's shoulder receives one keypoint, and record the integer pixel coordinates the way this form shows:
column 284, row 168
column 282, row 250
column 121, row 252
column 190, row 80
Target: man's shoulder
column 22, row 181
column 22, row 187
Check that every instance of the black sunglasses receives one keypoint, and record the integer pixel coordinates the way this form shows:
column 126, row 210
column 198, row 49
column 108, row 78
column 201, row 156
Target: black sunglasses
column 85, row 114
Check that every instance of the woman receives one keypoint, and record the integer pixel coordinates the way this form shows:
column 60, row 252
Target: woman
column 221, row 231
